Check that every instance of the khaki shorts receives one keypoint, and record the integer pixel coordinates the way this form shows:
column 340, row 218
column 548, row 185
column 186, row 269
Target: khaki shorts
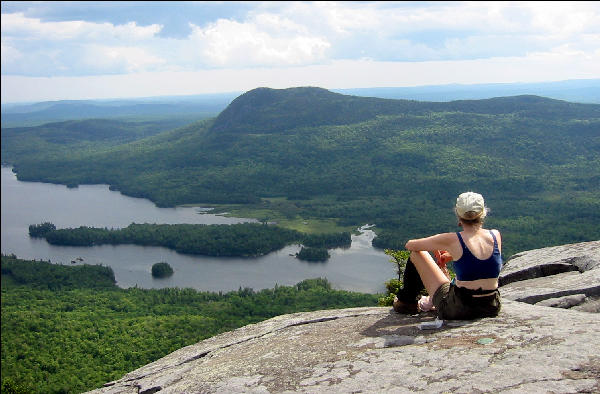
column 457, row 303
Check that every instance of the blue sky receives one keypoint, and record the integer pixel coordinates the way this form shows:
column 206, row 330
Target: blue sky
column 84, row 50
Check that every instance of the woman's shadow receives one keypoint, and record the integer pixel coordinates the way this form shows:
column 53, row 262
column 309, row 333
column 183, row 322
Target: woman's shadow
column 398, row 329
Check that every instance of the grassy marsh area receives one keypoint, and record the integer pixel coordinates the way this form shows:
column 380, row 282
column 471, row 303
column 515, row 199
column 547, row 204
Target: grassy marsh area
column 281, row 211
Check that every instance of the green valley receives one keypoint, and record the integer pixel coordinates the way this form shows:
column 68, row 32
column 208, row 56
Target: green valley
column 310, row 165
column 69, row 329
column 305, row 154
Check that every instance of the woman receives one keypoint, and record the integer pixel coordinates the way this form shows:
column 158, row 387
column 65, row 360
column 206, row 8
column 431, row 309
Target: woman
column 477, row 262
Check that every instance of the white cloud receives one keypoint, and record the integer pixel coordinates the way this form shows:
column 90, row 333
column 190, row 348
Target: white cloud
column 9, row 54
column 36, row 47
column 132, row 31
column 31, row 28
column 512, row 28
column 131, row 59
column 267, row 40
column 565, row 18
column 19, row 26
column 282, row 44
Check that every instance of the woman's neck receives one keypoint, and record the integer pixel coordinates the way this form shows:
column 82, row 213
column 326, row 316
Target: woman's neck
column 471, row 228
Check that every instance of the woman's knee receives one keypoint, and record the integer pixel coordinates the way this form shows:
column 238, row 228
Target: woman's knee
column 419, row 255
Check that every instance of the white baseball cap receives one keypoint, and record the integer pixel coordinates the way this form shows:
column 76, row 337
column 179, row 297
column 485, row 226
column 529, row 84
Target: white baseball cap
column 470, row 206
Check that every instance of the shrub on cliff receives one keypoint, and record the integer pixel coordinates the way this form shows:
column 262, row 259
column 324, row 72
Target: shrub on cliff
column 399, row 258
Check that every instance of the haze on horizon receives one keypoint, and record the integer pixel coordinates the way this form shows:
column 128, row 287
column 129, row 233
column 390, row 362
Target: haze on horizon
column 94, row 50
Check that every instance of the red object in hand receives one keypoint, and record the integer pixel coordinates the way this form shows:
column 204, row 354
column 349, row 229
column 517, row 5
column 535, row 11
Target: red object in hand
column 442, row 257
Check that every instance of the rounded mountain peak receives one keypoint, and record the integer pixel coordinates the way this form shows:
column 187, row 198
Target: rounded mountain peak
column 266, row 110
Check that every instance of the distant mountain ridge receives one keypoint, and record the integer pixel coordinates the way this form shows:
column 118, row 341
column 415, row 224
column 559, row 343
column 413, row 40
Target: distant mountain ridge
column 89, row 130
column 190, row 107
column 203, row 105
column 576, row 90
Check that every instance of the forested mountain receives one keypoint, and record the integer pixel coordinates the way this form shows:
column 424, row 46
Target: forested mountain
column 78, row 131
column 396, row 163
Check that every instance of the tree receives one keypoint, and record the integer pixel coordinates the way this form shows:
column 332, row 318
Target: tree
column 161, row 270
column 313, row 254
column 40, row 230
column 400, row 258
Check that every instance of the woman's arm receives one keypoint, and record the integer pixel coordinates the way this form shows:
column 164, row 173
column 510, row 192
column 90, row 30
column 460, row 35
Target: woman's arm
column 435, row 242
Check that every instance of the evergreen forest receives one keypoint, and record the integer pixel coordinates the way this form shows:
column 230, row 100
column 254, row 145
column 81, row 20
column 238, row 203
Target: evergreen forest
column 240, row 240
column 69, row 329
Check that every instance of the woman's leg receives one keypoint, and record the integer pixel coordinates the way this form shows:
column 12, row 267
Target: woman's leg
column 411, row 284
column 431, row 275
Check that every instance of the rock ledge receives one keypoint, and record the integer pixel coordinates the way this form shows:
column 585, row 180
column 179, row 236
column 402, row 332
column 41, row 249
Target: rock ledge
column 527, row 348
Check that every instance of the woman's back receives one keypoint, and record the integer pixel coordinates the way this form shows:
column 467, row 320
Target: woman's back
column 479, row 243
column 480, row 259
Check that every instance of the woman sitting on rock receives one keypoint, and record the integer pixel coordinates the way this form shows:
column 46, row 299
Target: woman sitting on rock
column 477, row 262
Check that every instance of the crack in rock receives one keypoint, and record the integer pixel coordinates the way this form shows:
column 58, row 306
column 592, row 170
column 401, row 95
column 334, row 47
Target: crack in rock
column 149, row 391
column 538, row 271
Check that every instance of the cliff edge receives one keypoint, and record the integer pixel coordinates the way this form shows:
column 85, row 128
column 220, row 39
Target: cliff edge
column 530, row 347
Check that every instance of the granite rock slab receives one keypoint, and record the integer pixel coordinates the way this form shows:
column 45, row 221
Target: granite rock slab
column 553, row 272
column 543, row 341
column 527, row 348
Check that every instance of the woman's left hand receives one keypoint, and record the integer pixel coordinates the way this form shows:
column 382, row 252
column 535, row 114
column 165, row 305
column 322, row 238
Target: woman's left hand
column 442, row 257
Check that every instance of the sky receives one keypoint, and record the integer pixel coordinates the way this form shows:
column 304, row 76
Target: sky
column 94, row 50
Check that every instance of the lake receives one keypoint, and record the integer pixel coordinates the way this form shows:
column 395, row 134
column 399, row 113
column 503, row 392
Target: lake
column 358, row 268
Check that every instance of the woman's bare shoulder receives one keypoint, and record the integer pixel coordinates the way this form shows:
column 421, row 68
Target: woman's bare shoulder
column 496, row 232
column 498, row 237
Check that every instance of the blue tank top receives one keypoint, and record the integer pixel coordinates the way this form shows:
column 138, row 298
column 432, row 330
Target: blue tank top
column 469, row 267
